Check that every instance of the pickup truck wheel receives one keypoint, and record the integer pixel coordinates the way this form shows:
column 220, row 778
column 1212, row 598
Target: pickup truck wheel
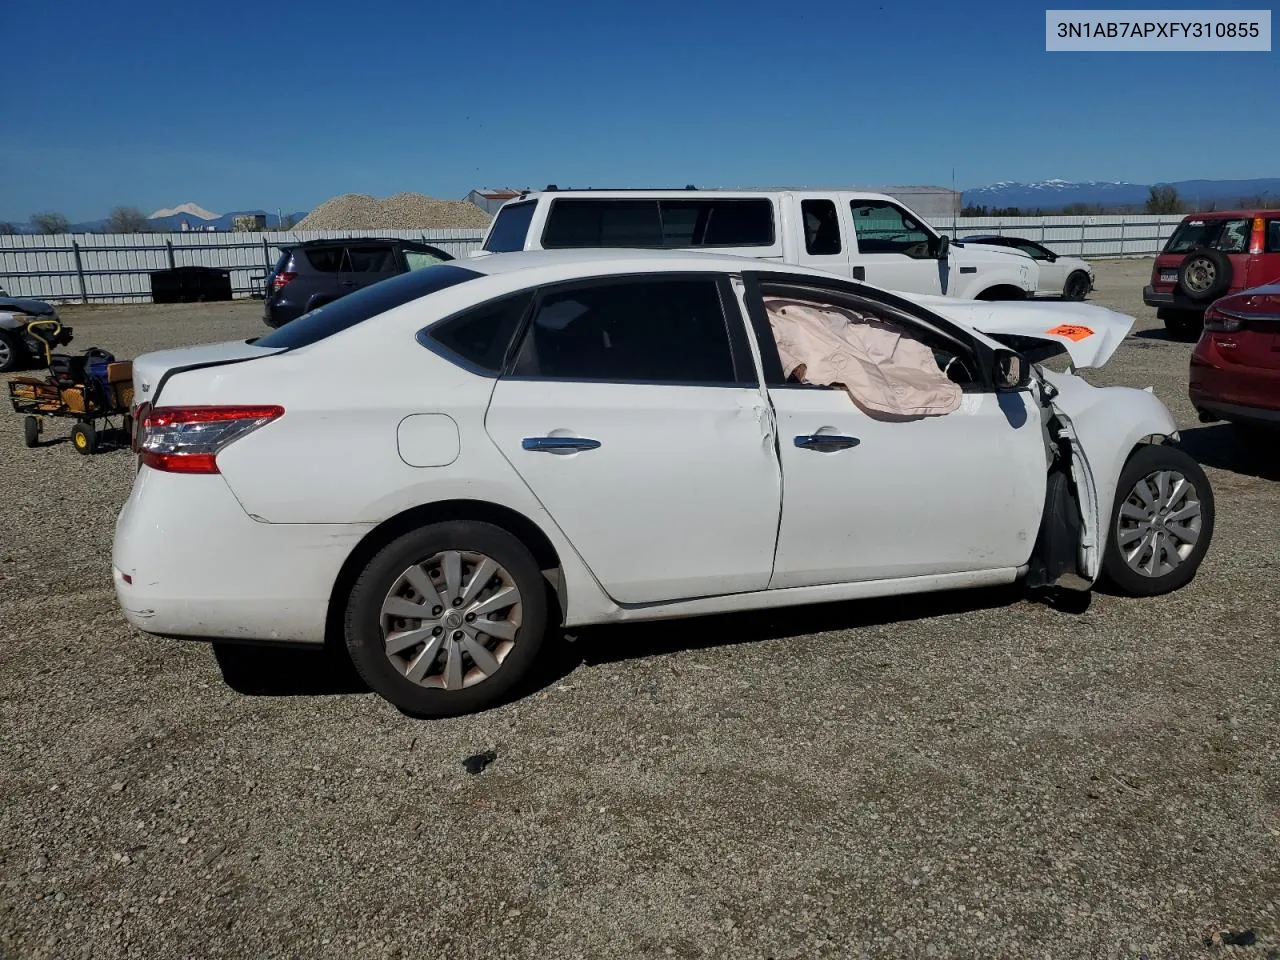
column 12, row 352
column 1076, row 287
column 448, row 618
column 1161, row 523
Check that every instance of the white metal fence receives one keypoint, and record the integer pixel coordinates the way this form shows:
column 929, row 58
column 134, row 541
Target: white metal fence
column 116, row 267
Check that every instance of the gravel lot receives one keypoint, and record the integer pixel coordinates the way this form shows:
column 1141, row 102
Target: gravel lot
column 971, row 775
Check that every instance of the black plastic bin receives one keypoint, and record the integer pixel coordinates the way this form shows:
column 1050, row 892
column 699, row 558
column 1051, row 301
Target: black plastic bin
column 190, row 285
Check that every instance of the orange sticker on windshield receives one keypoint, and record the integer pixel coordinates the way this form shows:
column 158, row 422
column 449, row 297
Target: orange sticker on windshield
column 1070, row 331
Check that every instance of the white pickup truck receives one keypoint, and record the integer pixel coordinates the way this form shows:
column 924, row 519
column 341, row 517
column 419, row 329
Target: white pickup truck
column 865, row 236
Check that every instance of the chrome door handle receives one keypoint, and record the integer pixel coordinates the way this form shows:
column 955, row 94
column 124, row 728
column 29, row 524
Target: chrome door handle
column 559, row 444
column 826, row 442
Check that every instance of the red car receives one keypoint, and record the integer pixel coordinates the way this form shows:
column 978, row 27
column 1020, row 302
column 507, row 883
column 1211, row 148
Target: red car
column 1235, row 368
column 1212, row 255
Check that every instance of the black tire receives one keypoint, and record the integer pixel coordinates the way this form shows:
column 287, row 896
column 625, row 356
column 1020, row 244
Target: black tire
column 13, row 353
column 1146, row 461
column 30, row 430
column 84, row 438
column 1076, row 287
column 1204, row 275
column 1183, row 324
column 363, row 619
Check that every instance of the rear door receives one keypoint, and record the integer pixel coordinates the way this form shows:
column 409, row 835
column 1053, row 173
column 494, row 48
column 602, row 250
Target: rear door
column 820, row 225
column 365, row 264
column 895, row 250
column 633, row 412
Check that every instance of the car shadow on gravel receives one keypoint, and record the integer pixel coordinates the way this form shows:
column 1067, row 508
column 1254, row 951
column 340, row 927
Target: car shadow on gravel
column 1251, row 452
column 607, row 644
column 263, row 671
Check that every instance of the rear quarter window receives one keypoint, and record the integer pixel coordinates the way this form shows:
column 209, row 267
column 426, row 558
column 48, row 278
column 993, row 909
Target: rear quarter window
column 511, row 227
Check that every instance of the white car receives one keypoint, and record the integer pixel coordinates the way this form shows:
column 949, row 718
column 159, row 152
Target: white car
column 438, row 468
column 1070, row 278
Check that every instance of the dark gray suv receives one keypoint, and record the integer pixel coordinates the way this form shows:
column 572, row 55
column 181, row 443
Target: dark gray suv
column 320, row 271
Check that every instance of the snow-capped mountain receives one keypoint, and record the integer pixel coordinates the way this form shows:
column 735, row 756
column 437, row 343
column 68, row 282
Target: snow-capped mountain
column 1055, row 194
column 187, row 209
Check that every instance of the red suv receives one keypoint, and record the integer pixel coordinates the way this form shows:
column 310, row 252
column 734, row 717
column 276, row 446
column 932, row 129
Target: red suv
column 1235, row 368
column 1209, row 256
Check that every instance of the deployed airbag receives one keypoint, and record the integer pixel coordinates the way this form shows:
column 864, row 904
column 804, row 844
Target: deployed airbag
column 885, row 370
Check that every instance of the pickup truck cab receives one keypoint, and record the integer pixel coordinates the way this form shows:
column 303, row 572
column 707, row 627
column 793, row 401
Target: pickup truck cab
column 864, row 236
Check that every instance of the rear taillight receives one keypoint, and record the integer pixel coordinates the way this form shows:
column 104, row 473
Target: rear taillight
column 1219, row 321
column 188, row 439
column 1258, row 236
column 283, row 279
column 135, row 427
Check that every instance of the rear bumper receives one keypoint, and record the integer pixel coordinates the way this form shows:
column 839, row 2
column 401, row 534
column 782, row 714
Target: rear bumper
column 1236, row 413
column 189, row 562
column 1171, row 301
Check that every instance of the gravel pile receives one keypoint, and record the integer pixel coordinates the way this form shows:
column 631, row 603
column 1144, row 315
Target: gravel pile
column 404, row 211
column 964, row 775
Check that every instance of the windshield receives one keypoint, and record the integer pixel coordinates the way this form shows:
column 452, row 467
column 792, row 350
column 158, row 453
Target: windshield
column 369, row 302
column 1228, row 236
column 511, row 227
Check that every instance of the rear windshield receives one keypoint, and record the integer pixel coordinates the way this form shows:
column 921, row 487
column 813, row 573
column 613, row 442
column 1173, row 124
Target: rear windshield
column 360, row 306
column 511, row 227
column 1228, row 236
column 670, row 224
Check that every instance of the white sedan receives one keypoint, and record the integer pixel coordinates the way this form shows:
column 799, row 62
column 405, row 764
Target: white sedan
column 1070, row 278
column 439, row 468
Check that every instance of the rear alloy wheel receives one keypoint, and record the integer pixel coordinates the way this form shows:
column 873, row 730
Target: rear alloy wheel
column 1076, row 287
column 448, row 618
column 1161, row 524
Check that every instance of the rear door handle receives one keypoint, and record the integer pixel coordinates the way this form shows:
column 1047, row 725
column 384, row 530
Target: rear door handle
column 826, row 442
column 348, row 283
column 559, row 444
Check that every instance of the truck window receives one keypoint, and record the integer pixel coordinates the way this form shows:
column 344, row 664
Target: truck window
column 1228, row 236
column 821, row 227
column 510, row 228
column 668, row 224
column 882, row 227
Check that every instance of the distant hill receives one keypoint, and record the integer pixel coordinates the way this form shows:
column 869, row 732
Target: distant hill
column 172, row 222
column 1056, row 194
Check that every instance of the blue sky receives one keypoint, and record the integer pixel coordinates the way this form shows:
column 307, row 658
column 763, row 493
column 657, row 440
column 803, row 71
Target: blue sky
column 240, row 105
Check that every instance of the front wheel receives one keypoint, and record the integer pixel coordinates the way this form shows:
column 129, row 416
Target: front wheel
column 84, row 437
column 448, row 618
column 1076, row 287
column 1161, row 524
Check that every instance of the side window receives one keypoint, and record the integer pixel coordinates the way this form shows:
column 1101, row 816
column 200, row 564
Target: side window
column 325, row 259
column 882, row 227
column 482, row 335
column 510, row 228
column 416, row 258
column 370, row 258
column 602, row 223
column 836, row 340
column 1273, row 236
column 664, row 331
column 821, row 227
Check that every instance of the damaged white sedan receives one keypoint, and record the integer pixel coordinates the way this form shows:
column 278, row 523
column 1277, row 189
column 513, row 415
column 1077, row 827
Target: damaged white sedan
column 436, row 470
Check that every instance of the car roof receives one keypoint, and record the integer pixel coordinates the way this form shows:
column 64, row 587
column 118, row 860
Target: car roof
column 343, row 241
column 1234, row 214
column 687, row 194
column 597, row 262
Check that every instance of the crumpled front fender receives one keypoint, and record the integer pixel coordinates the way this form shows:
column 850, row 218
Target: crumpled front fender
column 1109, row 422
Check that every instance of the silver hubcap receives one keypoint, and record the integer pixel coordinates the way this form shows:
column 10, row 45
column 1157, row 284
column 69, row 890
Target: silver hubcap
column 450, row 621
column 1159, row 523
column 1200, row 275
column 4, row 352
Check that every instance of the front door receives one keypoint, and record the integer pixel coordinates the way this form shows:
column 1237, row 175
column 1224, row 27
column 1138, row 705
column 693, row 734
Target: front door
column 869, row 496
column 633, row 412
column 894, row 249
